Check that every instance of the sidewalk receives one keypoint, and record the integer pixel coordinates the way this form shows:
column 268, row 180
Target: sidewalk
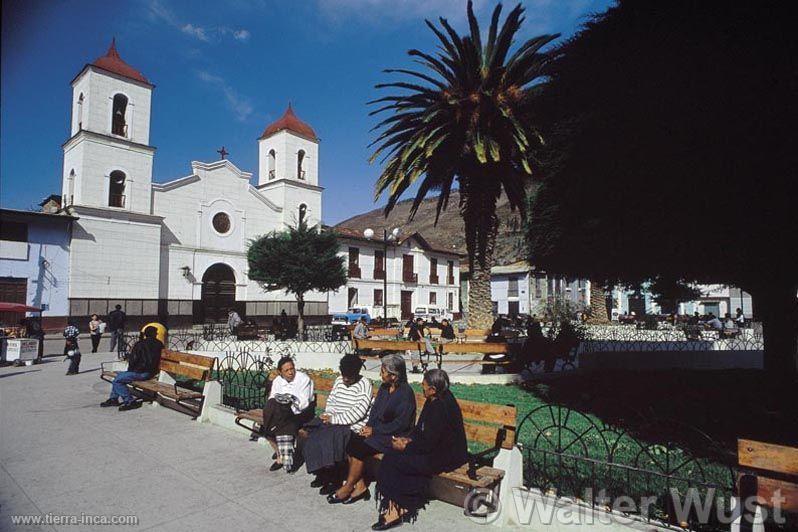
column 61, row 453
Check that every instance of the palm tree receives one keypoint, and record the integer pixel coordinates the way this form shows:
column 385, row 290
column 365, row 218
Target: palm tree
column 469, row 121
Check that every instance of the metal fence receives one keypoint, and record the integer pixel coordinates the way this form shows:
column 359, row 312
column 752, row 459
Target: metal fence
column 244, row 378
column 630, row 338
column 571, row 454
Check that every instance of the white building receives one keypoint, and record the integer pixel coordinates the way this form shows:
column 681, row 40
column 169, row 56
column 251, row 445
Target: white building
column 717, row 299
column 417, row 275
column 518, row 288
column 175, row 249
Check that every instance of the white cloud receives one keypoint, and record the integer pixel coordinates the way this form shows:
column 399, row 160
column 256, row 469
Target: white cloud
column 158, row 12
column 240, row 105
column 195, row 31
column 241, row 35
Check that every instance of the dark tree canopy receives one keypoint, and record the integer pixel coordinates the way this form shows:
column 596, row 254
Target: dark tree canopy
column 298, row 261
column 671, row 150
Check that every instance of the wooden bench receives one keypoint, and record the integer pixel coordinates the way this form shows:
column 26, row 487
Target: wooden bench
column 164, row 389
column 486, row 424
column 766, row 471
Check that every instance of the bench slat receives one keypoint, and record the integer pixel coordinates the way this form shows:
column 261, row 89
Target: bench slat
column 487, row 435
column 475, row 347
column 768, row 456
column 191, row 372
column 188, row 358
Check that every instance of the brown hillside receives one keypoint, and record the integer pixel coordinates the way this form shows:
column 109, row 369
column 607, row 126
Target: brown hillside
column 449, row 233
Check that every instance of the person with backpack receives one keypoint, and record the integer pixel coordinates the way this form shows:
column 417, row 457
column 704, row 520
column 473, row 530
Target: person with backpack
column 116, row 324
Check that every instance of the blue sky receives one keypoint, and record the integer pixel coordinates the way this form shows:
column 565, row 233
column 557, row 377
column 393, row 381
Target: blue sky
column 223, row 70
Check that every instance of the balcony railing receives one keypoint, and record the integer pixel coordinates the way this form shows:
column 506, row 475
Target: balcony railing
column 433, row 279
column 379, row 274
column 409, row 277
column 116, row 200
column 354, row 271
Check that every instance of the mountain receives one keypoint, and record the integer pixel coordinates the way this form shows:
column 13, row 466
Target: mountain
column 449, row 233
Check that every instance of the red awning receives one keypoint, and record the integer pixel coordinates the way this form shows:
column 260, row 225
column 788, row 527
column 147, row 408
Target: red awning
column 17, row 307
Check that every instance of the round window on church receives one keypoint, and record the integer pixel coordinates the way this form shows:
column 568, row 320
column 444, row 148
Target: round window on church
column 221, row 223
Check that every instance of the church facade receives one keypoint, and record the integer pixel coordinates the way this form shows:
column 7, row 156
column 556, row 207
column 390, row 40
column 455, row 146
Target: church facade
column 174, row 251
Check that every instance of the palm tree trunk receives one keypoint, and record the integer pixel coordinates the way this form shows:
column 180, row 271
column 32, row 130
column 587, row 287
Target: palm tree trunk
column 598, row 305
column 480, row 305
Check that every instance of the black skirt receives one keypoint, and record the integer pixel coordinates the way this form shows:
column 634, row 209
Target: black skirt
column 325, row 445
column 359, row 448
column 280, row 420
column 403, row 479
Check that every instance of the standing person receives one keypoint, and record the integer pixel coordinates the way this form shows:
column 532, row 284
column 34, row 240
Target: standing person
column 739, row 318
column 419, row 333
column 437, row 444
column 290, row 406
column 392, row 414
column 95, row 329
column 233, row 321
column 143, row 363
column 72, row 353
column 116, row 324
column 361, row 331
column 70, row 332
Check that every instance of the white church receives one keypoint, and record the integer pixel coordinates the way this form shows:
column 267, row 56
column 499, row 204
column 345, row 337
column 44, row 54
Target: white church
column 175, row 249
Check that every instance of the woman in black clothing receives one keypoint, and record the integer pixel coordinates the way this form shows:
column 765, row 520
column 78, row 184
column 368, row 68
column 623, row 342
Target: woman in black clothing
column 392, row 414
column 437, row 444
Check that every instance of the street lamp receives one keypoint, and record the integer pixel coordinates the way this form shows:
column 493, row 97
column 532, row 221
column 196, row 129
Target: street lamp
column 386, row 237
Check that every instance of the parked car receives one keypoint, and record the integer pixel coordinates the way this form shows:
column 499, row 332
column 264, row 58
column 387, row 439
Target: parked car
column 428, row 312
column 351, row 316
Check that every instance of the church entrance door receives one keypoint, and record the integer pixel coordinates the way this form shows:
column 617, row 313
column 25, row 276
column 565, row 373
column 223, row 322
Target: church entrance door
column 218, row 294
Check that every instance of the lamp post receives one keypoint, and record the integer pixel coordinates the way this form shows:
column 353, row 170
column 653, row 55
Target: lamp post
column 386, row 237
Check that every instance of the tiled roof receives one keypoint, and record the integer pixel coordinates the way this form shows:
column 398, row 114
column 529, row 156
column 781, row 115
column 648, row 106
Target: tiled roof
column 113, row 63
column 289, row 121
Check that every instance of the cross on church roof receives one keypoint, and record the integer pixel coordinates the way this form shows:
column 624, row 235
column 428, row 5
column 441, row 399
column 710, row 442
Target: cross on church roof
column 224, row 153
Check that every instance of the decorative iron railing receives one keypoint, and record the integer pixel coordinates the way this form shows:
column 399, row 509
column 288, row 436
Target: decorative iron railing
column 244, row 378
column 630, row 338
column 571, row 454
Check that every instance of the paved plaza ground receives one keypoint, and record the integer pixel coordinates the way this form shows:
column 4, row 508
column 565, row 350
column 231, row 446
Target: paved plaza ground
column 61, row 453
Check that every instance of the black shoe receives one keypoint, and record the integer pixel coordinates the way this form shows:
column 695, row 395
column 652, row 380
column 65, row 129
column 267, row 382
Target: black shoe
column 365, row 496
column 333, row 499
column 274, row 456
column 276, row 466
column 130, row 406
column 327, row 489
column 109, row 402
column 382, row 525
column 293, row 469
column 317, row 483
column 71, row 373
column 254, row 437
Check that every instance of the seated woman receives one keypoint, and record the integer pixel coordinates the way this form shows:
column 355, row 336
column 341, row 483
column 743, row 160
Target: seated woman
column 437, row 444
column 326, row 437
column 392, row 414
column 290, row 406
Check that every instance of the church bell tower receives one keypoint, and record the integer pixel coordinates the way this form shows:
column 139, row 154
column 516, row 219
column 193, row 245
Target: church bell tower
column 108, row 159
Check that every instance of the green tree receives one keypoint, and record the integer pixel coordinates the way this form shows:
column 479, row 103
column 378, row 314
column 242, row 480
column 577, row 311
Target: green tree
column 298, row 260
column 465, row 118
column 670, row 152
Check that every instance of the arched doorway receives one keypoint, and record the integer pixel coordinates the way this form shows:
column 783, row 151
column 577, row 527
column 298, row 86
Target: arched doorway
column 218, row 294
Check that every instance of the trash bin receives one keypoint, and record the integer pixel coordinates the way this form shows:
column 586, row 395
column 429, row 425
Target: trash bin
column 162, row 333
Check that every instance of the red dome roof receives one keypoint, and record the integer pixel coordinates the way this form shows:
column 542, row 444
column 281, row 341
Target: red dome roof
column 113, row 63
column 292, row 123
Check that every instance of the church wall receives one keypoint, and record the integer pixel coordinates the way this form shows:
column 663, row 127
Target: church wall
column 103, row 88
column 114, row 259
column 95, row 162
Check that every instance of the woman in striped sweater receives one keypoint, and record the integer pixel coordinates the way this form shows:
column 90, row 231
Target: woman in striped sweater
column 348, row 408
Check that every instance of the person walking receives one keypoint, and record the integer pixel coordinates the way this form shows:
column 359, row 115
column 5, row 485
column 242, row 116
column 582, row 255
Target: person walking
column 96, row 329
column 71, row 349
column 116, row 324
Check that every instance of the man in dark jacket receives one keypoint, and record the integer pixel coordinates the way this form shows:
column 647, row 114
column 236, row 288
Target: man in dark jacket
column 142, row 364
column 116, row 324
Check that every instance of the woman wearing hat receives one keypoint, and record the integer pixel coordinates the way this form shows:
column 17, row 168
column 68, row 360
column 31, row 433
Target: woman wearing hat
column 347, row 410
